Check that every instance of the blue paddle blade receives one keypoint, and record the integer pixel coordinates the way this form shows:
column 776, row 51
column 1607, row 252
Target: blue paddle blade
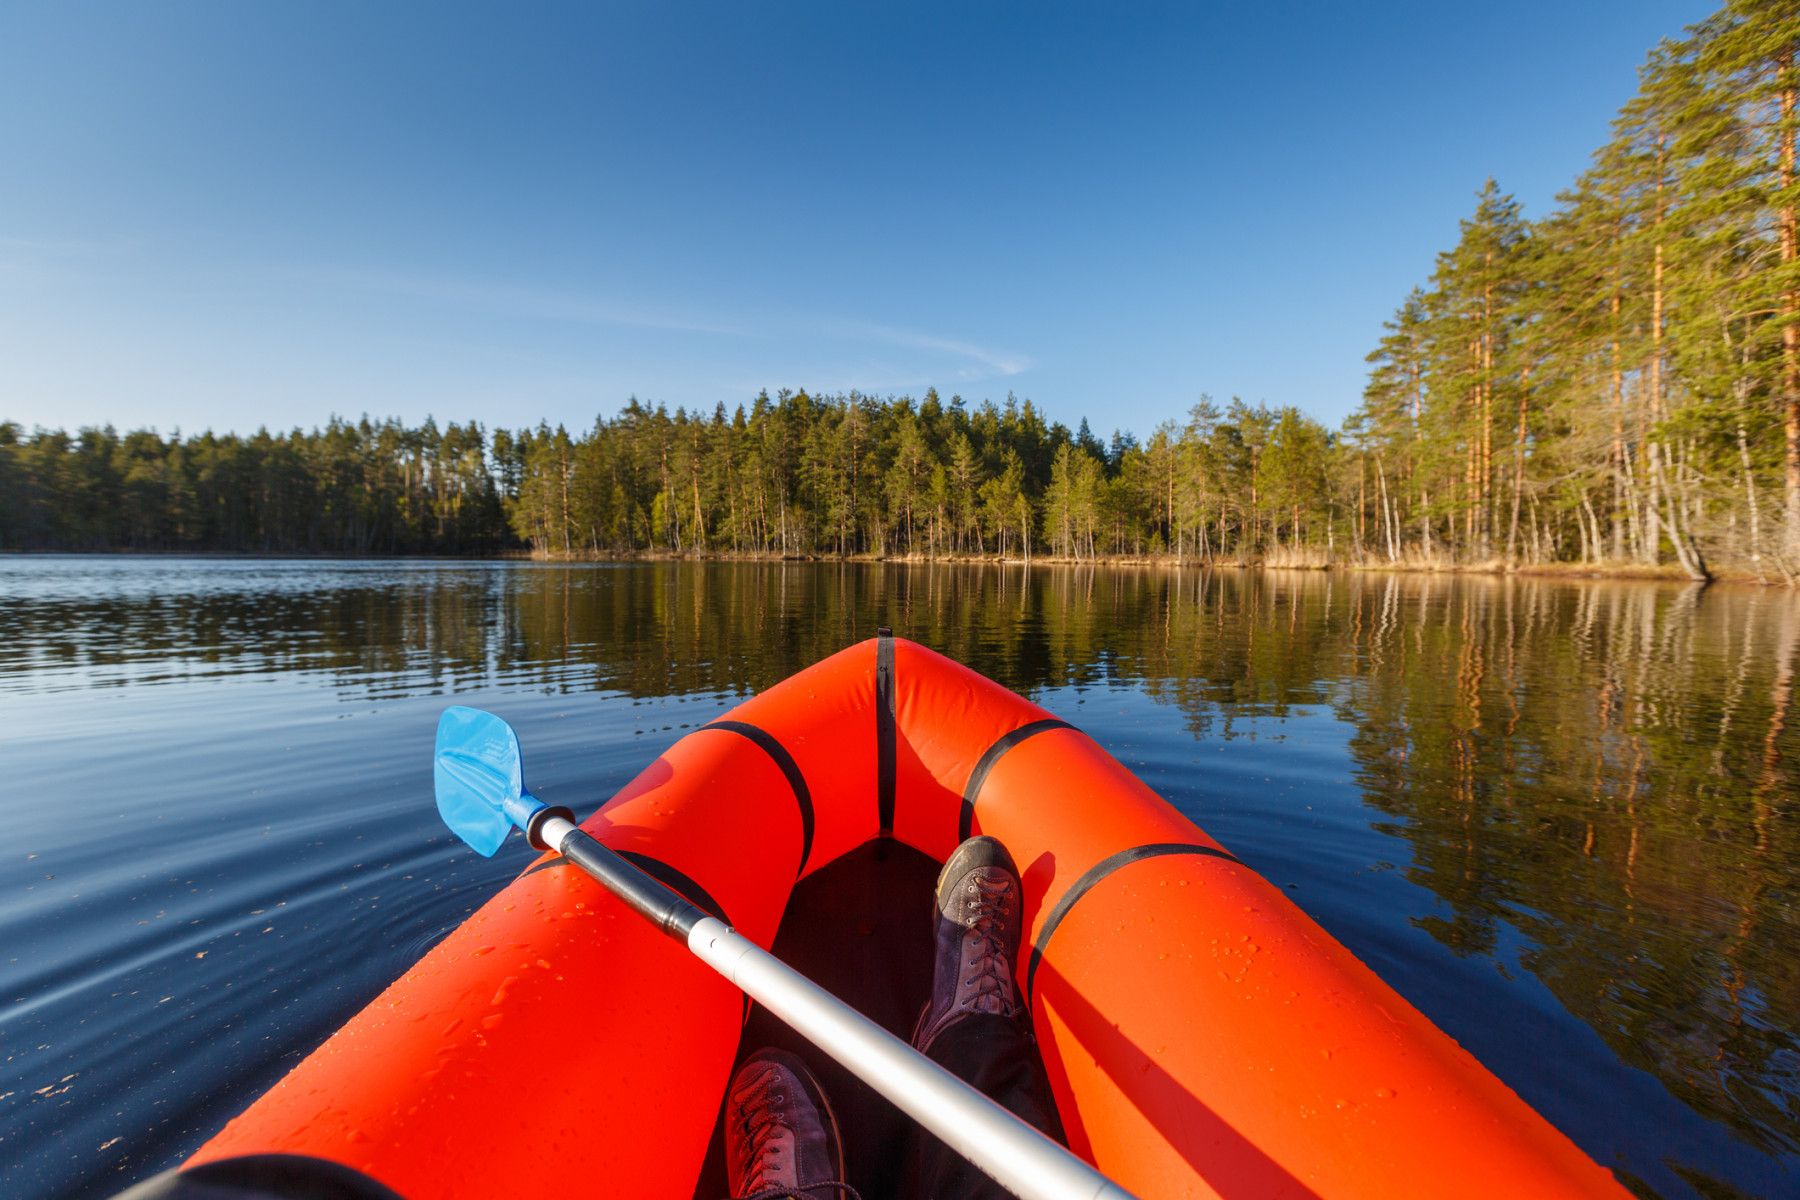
column 480, row 778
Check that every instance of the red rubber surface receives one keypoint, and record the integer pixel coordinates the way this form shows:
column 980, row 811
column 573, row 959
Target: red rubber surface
column 1204, row 1037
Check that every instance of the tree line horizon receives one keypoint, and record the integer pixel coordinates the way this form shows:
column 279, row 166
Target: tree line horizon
column 1614, row 384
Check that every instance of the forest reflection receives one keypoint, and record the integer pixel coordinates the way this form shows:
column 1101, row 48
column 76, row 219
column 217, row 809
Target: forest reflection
column 1606, row 768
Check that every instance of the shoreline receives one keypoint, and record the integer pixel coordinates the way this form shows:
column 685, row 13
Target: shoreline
column 1629, row 571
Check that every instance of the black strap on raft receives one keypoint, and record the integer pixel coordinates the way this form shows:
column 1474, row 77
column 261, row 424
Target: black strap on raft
column 1094, row 875
column 680, row 887
column 650, row 898
column 966, row 823
column 782, row 759
column 677, row 881
column 262, row 1177
column 884, row 728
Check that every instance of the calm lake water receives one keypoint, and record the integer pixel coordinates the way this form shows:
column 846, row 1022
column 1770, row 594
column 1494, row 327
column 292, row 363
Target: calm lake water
column 1558, row 817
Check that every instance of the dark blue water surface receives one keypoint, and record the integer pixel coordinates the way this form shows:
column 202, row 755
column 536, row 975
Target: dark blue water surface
column 1558, row 817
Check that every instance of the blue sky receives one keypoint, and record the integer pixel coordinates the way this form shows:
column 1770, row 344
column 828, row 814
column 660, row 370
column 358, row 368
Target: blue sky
column 232, row 214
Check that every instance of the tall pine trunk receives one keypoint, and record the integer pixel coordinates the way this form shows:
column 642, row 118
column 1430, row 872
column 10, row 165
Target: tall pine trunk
column 1619, row 464
column 1790, row 312
column 1512, row 529
column 1654, row 477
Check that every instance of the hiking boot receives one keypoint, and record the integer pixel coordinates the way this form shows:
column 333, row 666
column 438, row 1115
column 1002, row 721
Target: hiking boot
column 781, row 1138
column 979, row 906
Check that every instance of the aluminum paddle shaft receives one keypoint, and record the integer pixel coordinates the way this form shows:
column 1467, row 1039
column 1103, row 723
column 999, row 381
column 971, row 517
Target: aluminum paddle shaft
column 1018, row 1157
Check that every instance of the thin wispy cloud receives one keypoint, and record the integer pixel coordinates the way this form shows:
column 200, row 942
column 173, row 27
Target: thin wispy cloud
column 940, row 358
column 59, row 247
column 981, row 362
column 515, row 299
column 54, row 259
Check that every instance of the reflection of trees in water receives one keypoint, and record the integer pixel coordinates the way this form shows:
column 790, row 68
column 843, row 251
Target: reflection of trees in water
column 675, row 628
column 1607, row 767
column 1613, row 792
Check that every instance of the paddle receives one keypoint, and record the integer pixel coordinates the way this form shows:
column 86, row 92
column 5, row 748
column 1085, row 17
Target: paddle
column 481, row 795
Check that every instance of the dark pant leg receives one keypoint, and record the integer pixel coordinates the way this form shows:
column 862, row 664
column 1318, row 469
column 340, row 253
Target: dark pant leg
column 1000, row 1058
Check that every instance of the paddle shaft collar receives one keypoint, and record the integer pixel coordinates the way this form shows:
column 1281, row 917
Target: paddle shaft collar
column 1015, row 1155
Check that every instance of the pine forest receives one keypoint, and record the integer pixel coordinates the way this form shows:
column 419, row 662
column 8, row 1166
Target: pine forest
column 1612, row 385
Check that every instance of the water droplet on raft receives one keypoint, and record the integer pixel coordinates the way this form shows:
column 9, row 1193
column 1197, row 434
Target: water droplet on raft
column 483, row 950
column 1384, row 1093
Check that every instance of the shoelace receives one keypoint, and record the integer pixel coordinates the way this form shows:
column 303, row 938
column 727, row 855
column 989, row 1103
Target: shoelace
column 993, row 976
column 756, row 1112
